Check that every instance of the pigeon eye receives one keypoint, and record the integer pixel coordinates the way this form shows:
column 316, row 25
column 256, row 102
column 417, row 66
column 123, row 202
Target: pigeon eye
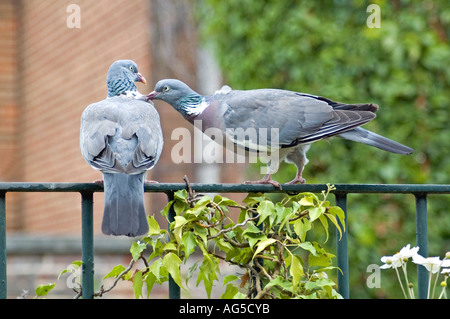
column 166, row 88
column 131, row 68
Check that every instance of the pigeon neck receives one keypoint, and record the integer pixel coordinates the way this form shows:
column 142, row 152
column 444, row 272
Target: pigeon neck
column 120, row 86
column 192, row 105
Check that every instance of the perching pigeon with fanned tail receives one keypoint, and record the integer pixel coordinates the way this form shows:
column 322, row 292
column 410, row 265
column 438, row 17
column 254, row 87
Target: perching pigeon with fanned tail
column 121, row 136
column 284, row 121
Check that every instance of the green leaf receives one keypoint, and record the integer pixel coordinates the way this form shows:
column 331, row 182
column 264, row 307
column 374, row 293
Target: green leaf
column 166, row 209
column 116, row 271
column 136, row 249
column 324, row 223
column 181, row 195
column 188, row 242
column 282, row 214
column 315, row 212
column 180, row 221
column 171, row 263
column 263, row 244
column 280, row 281
column 301, row 227
column 153, row 226
column 230, row 292
column 137, row 284
column 307, row 201
column 150, row 280
column 308, row 246
column 335, row 222
column 43, row 290
column 155, row 268
column 229, row 278
column 75, row 265
column 337, row 211
column 266, row 209
column 208, row 272
column 180, row 207
column 296, row 271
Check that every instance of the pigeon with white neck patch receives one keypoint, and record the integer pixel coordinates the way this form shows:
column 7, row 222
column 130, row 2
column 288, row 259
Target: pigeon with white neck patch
column 298, row 119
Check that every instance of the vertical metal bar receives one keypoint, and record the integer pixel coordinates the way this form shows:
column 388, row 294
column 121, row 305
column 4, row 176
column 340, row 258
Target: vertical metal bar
column 422, row 242
column 342, row 250
column 87, row 244
column 174, row 289
column 3, row 285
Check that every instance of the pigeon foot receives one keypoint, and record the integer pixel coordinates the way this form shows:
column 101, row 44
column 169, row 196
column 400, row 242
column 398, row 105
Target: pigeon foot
column 265, row 180
column 297, row 180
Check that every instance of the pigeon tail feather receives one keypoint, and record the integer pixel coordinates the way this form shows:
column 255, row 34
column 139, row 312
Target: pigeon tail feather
column 370, row 138
column 124, row 211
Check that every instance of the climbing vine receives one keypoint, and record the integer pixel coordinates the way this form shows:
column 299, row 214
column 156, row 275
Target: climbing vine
column 268, row 242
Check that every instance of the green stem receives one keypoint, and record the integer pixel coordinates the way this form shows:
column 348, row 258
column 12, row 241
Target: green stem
column 410, row 289
column 400, row 281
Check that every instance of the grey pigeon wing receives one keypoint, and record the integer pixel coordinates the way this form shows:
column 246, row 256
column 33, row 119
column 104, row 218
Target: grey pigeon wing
column 98, row 122
column 144, row 124
column 121, row 135
column 299, row 118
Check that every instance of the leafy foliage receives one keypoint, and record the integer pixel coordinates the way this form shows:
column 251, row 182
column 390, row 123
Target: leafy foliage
column 326, row 48
column 268, row 242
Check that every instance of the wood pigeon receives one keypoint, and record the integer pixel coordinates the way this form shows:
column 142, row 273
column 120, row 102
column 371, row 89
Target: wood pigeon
column 285, row 122
column 121, row 136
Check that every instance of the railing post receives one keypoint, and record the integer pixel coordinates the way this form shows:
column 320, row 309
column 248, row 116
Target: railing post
column 87, row 244
column 342, row 250
column 174, row 289
column 422, row 242
column 3, row 285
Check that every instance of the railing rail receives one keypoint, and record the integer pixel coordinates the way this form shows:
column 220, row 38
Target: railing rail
column 87, row 190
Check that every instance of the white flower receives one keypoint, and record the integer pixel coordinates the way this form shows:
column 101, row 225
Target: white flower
column 391, row 262
column 407, row 252
column 399, row 258
column 432, row 264
column 446, row 271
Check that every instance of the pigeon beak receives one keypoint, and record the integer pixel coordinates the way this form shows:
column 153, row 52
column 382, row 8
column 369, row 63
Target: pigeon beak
column 140, row 78
column 152, row 95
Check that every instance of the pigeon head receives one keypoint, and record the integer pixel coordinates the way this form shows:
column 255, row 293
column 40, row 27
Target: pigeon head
column 179, row 95
column 121, row 77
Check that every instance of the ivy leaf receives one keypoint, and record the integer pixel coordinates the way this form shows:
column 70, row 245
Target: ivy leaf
column 166, row 209
column 171, row 263
column 188, row 242
column 263, row 244
column 137, row 284
column 308, row 246
column 181, row 195
column 315, row 212
column 180, row 221
column 136, row 249
column 301, row 227
column 307, row 201
column 296, row 271
column 116, row 271
column 150, row 280
column 153, row 226
column 266, row 209
column 43, row 290
column 230, row 292
column 229, row 278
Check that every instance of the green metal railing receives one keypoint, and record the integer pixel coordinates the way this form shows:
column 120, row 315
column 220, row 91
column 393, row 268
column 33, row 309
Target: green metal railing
column 87, row 190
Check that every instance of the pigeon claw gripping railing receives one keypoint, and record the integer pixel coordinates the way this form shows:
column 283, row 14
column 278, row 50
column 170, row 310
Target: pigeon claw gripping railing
column 87, row 191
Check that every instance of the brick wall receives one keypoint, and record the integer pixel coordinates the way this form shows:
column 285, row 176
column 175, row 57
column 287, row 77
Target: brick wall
column 9, row 103
column 62, row 71
column 50, row 73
